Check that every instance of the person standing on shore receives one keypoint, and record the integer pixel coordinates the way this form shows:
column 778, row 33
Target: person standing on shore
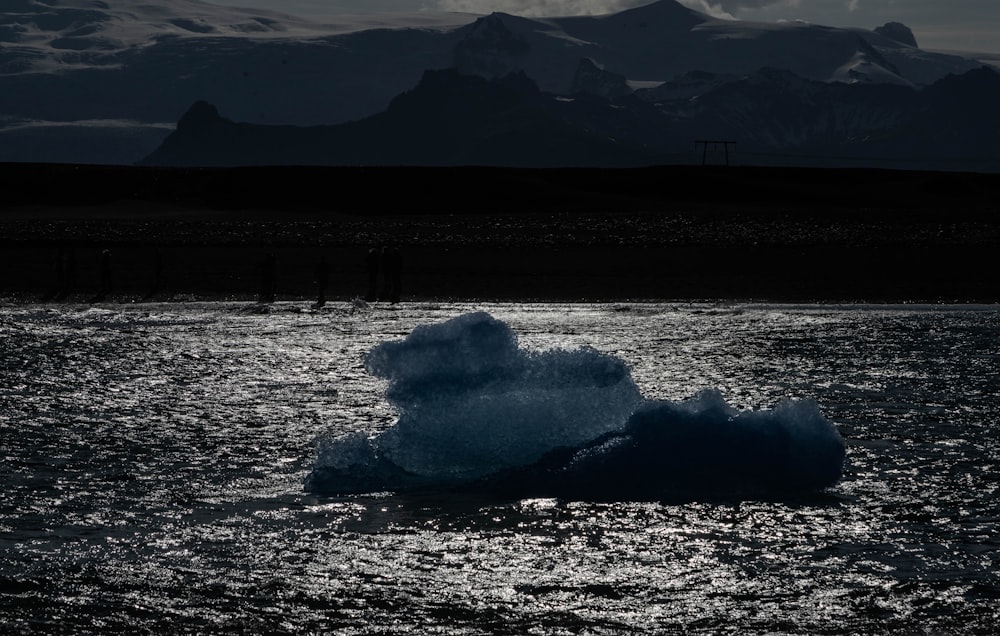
column 59, row 282
column 268, row 279
column 322, row 280
column 105, row 277
column 67, row 273
column 372, row 263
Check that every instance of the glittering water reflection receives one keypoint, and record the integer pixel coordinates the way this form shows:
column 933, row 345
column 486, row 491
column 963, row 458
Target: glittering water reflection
column 153, row 458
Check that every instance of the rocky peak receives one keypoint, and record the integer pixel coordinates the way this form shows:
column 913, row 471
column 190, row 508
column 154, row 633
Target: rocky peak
column 899, row 32
column 199, row 115
column 594, row 80
column 490, row 48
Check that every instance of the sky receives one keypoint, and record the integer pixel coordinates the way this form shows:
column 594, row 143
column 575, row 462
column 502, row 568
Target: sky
column 962, row 25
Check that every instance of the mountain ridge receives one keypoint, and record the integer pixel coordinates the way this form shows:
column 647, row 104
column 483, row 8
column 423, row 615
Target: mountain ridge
column 447, row 119
column 98, row 80
column 450, row 118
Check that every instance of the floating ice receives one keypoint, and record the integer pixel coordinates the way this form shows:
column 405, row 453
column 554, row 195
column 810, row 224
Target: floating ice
column 701, row 446
column 472, row 403
column 476, row 411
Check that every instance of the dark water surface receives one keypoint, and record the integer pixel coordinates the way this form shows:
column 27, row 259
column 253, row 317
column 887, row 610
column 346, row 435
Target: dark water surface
column 153, row 460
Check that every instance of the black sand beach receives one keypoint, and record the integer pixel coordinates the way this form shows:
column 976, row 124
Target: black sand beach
column 670, row 233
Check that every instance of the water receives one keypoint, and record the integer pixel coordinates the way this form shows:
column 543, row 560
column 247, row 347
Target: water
column 154, row 460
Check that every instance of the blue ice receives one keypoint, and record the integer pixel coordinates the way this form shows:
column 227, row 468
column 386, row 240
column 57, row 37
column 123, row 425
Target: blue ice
column 476, row 411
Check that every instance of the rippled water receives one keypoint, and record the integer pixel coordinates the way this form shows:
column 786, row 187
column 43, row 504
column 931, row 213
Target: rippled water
column 153, row 459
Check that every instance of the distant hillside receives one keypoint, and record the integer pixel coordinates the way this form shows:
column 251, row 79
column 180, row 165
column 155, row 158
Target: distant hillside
column 448, row 119
column 775, row 118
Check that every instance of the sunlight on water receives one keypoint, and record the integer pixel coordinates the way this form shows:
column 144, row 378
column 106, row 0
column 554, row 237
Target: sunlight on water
column 153, row 459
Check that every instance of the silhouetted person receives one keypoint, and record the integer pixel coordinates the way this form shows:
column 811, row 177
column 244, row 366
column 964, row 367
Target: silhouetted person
column 268, row 279
column 58, row 276
column 66, row 274
column 392, row 267
column 105, row 278
column 322, row 280
column 372, row 262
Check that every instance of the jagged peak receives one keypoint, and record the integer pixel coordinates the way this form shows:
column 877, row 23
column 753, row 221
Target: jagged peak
column 495, row 21
column 200, row 113
column 898, row 32
column 661, row 10
column 591, row 79
column 496, row 29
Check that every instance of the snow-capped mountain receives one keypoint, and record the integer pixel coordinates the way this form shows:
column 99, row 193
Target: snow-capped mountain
column 58, row 35
column 660, row 41
column 103, row 80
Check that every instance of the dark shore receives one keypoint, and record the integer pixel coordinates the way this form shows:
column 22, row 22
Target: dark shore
column 670, row 233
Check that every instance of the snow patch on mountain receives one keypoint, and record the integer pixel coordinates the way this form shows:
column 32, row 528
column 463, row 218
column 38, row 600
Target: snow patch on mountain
column 662, row 40
column 861, row 68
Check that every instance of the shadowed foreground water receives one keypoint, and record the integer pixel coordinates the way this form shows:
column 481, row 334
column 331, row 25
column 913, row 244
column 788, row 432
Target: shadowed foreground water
column 153, row 460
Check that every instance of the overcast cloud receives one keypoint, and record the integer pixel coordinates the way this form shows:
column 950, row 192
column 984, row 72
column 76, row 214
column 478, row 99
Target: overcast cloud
column 971, row 25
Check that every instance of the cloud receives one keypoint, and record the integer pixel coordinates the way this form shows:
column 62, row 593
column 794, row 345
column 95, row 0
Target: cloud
column 729, row 9
column 539, row 8
column 713, row 10
column 736, row 5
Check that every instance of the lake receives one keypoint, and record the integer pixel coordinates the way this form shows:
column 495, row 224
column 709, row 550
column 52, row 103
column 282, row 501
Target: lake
column 155, row 458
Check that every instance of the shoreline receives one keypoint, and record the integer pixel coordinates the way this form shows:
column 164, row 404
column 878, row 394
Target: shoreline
column 781, row 274
column 656, row 234
column 307, row 306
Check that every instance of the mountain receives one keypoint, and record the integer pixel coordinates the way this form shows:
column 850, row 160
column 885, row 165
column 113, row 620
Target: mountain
column 899, row 32
column 99, row 76
column 662, row 40
column 447, row 119
column 103, row 80
column 776, row 118
column 780, row 118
